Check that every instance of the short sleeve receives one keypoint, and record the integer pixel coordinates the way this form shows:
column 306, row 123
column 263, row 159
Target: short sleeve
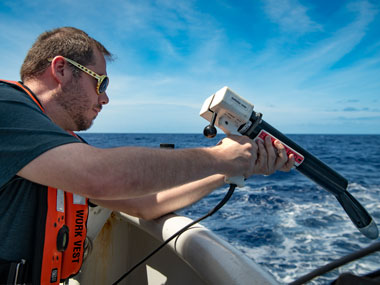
column 25, row 132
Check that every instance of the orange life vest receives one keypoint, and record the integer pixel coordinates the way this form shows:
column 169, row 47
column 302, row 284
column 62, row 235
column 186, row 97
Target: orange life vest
column 65, row 230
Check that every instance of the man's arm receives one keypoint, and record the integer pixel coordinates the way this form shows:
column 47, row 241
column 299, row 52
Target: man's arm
column 127, row 172
column 158, row 204
column 271, row 159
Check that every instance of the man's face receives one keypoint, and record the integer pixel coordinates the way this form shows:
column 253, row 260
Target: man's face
column 76, row 101
column 80, row 99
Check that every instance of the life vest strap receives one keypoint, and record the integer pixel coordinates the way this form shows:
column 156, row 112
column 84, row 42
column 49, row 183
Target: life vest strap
column 18, row 84
column 14, row 272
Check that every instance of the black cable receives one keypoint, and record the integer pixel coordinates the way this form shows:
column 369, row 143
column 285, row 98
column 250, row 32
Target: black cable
column 185, row 228
column 337, row 263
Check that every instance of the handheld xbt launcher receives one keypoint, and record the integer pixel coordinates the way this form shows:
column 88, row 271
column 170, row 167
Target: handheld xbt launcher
column 235, row 115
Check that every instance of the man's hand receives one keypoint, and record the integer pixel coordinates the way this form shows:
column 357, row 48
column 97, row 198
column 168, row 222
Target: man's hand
column 271, row 158
column 245, row 157
column 238, row 154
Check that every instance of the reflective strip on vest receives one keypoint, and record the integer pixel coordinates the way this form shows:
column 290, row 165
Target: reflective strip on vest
column 60, row 201
column 79, row 200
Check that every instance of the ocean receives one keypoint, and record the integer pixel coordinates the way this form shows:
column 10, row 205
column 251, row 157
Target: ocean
column 285, row 222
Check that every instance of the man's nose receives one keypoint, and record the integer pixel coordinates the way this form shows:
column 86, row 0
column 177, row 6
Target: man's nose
column 103, row 98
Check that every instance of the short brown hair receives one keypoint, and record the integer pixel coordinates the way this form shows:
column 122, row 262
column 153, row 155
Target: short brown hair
column 66, row 41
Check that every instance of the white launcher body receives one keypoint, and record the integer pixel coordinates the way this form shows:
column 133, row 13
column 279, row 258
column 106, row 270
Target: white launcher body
column 232, row 110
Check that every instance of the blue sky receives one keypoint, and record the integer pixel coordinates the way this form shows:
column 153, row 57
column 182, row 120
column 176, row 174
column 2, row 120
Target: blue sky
column 308, row 66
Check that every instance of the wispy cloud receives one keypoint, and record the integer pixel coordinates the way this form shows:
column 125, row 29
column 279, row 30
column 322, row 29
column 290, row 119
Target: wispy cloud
column 361, row 118
column 291, row 16
column 168, row 31
column 353, row 109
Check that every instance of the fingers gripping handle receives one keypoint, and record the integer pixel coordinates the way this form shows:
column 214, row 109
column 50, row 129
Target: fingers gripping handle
column 237, row 180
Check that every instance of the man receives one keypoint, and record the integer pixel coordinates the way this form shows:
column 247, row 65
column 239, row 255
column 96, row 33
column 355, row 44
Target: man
column 46, row 170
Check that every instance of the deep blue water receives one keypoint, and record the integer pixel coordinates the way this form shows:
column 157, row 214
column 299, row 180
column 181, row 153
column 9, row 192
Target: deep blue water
column 284, row 221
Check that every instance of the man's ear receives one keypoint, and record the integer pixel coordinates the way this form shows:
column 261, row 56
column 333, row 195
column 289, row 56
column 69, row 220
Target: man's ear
column 60, row 70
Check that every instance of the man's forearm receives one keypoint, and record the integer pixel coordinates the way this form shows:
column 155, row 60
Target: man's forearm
column 155, row 205
column 145, row 170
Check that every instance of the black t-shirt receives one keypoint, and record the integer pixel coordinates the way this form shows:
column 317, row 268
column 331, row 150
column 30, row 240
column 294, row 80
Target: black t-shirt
column 25, row 133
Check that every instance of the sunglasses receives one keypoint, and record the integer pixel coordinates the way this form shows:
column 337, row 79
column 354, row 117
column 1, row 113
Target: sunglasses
column 103, row 80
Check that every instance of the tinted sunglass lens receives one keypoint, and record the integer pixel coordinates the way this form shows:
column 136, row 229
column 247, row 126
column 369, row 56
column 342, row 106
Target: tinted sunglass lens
column 103, row 85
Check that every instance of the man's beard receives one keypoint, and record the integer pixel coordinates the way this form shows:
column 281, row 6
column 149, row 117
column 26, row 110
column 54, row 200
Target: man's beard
column 73, row 99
